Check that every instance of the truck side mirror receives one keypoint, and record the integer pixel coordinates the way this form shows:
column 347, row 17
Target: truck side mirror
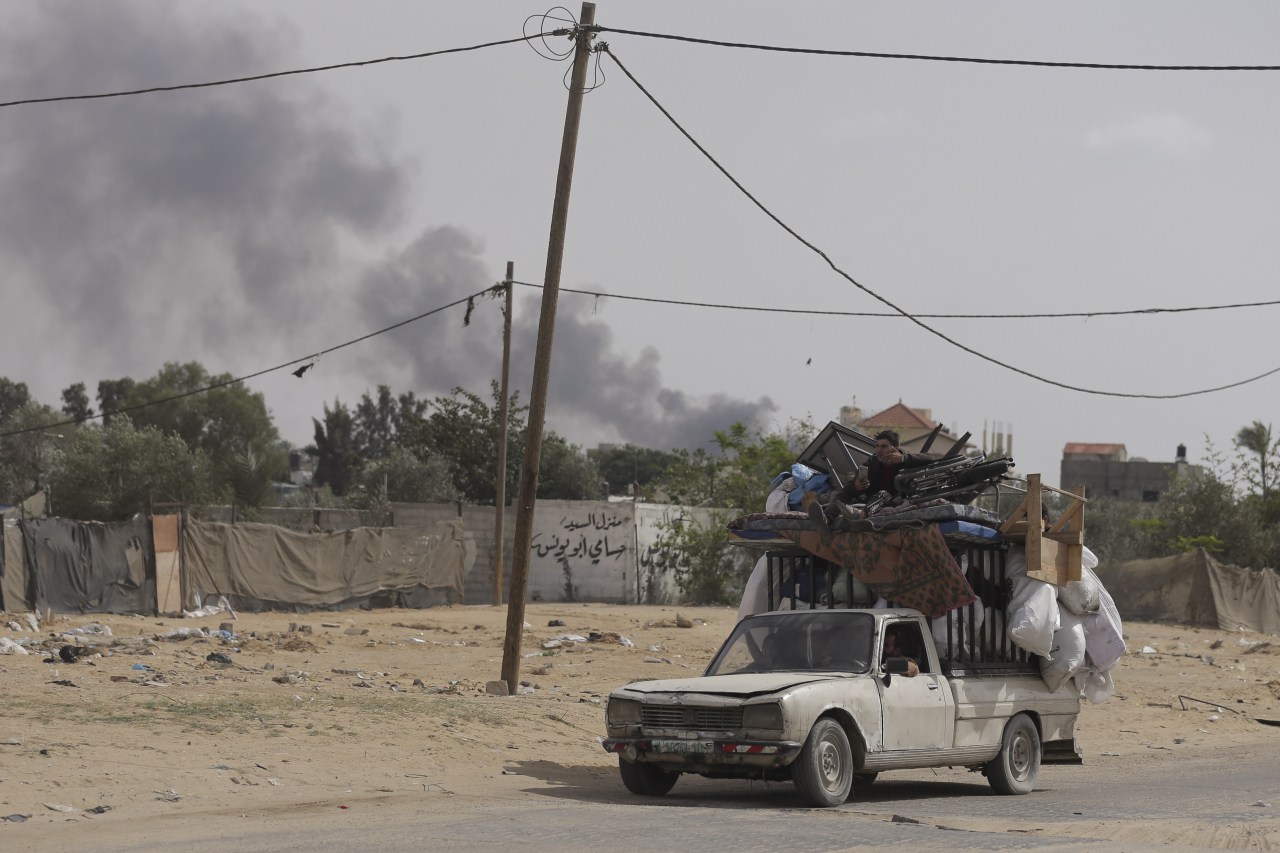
column 897, row 665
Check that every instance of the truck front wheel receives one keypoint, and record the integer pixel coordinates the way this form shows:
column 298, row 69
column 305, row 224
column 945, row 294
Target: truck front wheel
column 1016, row 768
column 648, row 780
column 824, row 769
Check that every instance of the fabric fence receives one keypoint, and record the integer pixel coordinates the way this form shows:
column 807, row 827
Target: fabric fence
column 276, row 566
column 89, row 567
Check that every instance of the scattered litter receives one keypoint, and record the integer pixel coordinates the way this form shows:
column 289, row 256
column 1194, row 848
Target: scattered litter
column 219, row 767
column 1247, row 644
column 16, row 818
column 139, row 666
column 9, row 647
column 1260, row 804
column 413, row 640
column 330, row 624
column 200, row 613
column 98, row 810
column 555, row 623
column 1213, row 718
column 184, row 633
column 683, row 621
column 65, row 682
column 1182, row 700
column 99, row 630
column 900, row 819
column 514, row 773
column 13, row 741
column 1206, row 731
column 1147, row 650
column 156, row 684
column 1113, row 754
column 356, row 632
column 218, row 657
column 274, row 782
column 572, row 638
column 58, row 808
column 1179, row 740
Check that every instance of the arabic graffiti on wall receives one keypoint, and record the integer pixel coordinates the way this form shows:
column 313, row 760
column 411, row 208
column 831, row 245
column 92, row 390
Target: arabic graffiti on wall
column 582, row 550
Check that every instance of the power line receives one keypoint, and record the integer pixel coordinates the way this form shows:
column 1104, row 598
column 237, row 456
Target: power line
column 306, row 358
column 1085, row 314
column 294, row 72
column 928, row 58
column 882, row 299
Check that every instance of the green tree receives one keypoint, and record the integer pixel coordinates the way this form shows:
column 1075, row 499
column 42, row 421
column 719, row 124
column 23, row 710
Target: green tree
column 219, row 422
column 565, row 472
column 739, row 473
column 113, row 395
column 463, row 429
column 622, row 466
column 379, row 422
column 708, row 570
column 13, row 396
column 1256, row 439
column 247, row 477
column 338, row 460
column 75, row 403
column 29, row 460
column 110, row 473
column 402, row 477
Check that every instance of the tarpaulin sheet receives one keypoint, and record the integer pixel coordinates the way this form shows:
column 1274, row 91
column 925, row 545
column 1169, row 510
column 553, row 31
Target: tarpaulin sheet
column 90, row 567
column 1195, row 588
column 910, row 567
column 1164, row 589
column 273, row 564
column 13, row 570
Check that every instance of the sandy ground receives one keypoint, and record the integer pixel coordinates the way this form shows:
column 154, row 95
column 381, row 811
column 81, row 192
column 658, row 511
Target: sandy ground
column 204, row 739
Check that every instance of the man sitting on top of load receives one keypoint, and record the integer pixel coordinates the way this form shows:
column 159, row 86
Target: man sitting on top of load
column 880, row 470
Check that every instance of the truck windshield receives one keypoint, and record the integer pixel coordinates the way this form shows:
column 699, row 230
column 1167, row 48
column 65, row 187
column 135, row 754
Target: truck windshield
column 834, row 641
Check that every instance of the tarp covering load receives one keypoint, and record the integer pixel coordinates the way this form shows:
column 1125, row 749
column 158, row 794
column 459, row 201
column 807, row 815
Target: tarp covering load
column 1196, row 589
column 89, row 567
column 282, row 568
column 911, row 567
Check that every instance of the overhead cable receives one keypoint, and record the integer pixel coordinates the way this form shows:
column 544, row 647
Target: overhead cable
column 899, row 315
column 306, row 358
column 931, row 58
column 227, row 82
column 885, row 301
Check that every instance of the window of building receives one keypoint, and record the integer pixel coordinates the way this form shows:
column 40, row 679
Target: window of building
column 1150, row 496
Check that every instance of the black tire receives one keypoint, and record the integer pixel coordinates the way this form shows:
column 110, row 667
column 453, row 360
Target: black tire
column 1017, row 767
column 864, row 780
column 823, row 772
column 647, row 780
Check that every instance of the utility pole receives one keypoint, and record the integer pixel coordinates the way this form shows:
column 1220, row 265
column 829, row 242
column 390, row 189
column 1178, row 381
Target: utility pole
column 500, row 499
column 542, row 358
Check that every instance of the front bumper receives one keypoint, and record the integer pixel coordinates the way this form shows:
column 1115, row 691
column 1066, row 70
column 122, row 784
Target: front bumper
column 704, row 751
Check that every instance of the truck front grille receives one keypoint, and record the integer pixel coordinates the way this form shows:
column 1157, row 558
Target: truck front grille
column 683, row 717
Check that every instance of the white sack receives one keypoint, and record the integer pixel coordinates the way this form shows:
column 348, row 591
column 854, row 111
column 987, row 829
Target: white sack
column 1096, row 686
column 1067, row 654
column 9, row 647
column 1033, row 609
column 755, row 598
column 1083, row 596
column 777, row 501
column 1104, row 633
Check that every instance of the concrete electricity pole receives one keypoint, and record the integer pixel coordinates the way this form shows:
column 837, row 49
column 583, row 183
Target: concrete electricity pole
column 542, row 358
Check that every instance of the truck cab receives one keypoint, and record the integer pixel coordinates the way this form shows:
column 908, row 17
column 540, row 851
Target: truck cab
column 828, row 698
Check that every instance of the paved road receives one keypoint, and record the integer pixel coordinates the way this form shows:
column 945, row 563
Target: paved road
column 1176, row 802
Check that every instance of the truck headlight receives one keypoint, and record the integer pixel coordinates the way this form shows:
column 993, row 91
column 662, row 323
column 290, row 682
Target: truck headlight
column 766, row 716
column 623, row 712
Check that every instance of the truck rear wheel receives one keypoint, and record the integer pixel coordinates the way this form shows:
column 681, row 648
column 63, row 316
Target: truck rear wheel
column 1016, row 768
column 647, row 780
column 824, row 769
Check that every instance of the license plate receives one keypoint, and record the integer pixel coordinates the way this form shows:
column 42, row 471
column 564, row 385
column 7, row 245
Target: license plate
column 683, row 747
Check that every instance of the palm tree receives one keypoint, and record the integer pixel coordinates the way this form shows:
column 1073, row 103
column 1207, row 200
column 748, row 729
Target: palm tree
column 1256, row 438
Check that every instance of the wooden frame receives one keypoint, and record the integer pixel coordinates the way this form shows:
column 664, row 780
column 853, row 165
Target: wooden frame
column 1054, row 555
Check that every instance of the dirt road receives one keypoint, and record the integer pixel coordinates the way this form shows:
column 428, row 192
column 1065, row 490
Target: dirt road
column 178, row 765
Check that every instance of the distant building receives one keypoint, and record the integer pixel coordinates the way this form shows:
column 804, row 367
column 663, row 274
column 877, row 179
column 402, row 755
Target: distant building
column 912, row 425
column 1105, row 470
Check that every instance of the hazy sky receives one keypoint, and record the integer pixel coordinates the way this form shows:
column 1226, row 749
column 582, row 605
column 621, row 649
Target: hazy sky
column 246, row 225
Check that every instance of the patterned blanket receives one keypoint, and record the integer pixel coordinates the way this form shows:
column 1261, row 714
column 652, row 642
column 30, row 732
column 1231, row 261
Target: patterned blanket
column 909, row 567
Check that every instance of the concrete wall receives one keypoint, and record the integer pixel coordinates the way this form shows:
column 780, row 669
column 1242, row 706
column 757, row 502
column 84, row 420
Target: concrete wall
column 1130, row 481
column 582, row 550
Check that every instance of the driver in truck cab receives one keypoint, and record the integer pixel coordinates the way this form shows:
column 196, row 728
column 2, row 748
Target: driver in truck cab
column 893, row 650
column 880, row 470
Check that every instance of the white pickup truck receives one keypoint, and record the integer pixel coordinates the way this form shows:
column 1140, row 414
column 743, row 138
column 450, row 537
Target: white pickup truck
column 828, row 698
